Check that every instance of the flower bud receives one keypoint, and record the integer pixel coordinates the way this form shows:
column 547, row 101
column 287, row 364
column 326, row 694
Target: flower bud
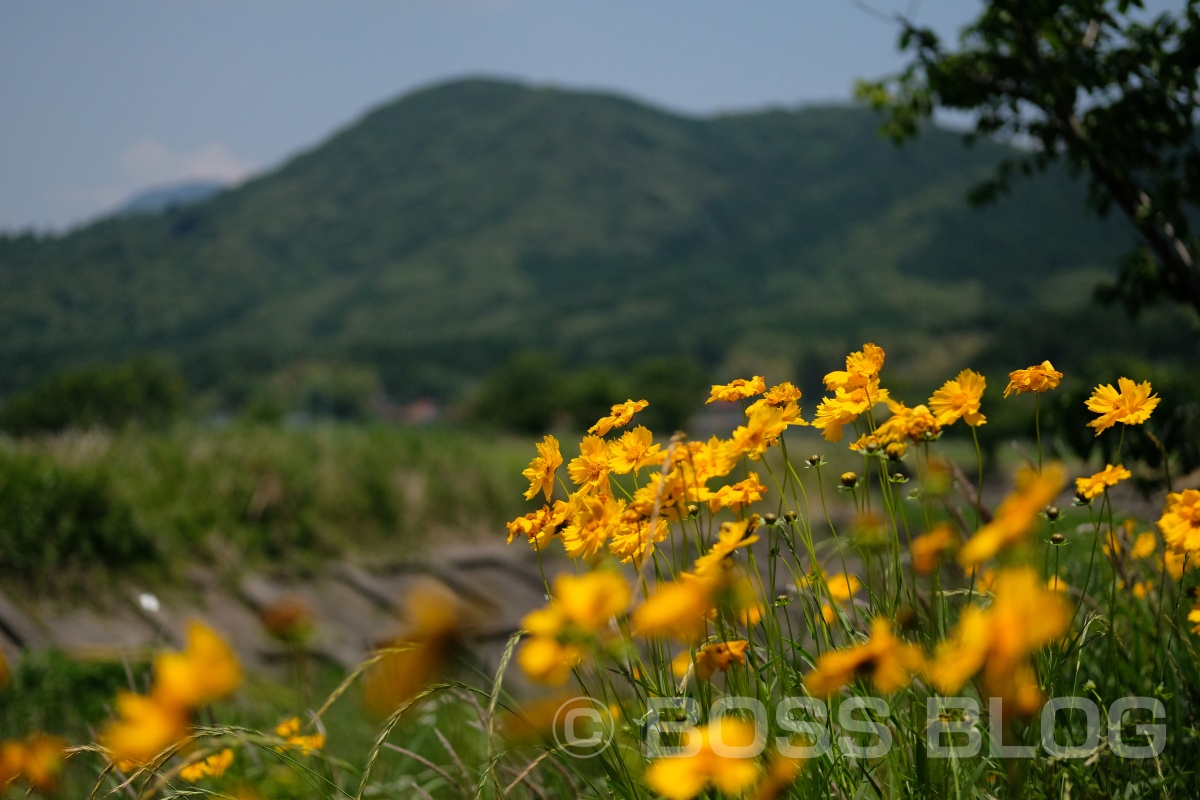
column 1057, row 538
column 849, row 479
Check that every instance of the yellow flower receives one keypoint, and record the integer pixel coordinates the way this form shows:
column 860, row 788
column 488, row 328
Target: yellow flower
column 592, row 599
column 1038, row 378
column 737, row 390
column 620, row 416
column 959, row 399
column 782, row 394
column 913, row 424
column 212, row 767
column 289, row 730
column 888, row 661
column 1093, row 486
column 540, row 472
column 634, row 541
column 719, row 657
column 596, row 520
column 928, row 548
column 1144, row 546
column 738, row 495
column 731, row 536
column 634, row 450
column 684, row 777
column 411, row 661
column 546, row 660
column 146, row 727
column 761, row 430
column 38, row 760
column 997, row 643
column 205, row 671
column 678, row 609
column 541, row 525
column 1131, row 405
column 1016, row 515
column 1180, row 521
column 862, row 367
column 1194, row 617
column 590, row 469
column 833, row 413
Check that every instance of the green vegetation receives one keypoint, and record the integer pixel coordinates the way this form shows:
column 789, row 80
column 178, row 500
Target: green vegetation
column 244, row 494
column 447, row 232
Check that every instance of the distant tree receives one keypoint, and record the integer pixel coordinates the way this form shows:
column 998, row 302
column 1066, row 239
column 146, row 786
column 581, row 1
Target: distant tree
column 1100, row 84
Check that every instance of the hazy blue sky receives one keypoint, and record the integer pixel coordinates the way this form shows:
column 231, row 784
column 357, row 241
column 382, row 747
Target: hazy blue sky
column 102, row 98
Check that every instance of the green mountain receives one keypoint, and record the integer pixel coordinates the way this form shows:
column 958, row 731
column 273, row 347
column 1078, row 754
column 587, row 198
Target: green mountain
column 469, row 221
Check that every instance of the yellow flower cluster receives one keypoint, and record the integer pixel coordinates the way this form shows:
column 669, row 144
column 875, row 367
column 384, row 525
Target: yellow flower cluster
column 37, row 761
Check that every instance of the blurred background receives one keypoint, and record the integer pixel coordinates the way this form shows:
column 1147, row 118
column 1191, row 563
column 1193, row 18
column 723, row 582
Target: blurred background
column 291, row 284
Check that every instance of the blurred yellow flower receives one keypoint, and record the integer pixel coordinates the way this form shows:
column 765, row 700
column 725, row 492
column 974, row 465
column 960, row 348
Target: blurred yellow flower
column 205, row 671
column 997, row 643
column 546, row 660
column 409, row 662
column 1095, row 485
column 1132, row 404
column 540, row 472
column 38, row 761
column 677, row 609
column 1144, row 546
column 145, row 728
column 960, row 399
column 684, row 777
column 738, row 389
column 1016, row 515
column 928, row 548
column 212, row 767
column 889, row 663
column 1180, row 521
column 1038, row 378
column 619, row 416
column 719, row 657
column 592, row 599
column 289, row 730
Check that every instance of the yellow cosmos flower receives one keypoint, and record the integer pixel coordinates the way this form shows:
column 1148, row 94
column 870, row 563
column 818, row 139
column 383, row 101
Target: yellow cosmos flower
column 633, row 542
column 713, row 657
column 145, row 728
column 761, row 430
column 1131, row 404
column 738, row 389
column 782, row 394
column 862, row 367
column 540, row 472
column 590, row 468
column 731, row 536
column 684, row 777
column 540, row 526
column 886, row 660
column 619, row 417
column 634, row 450
column 679, row 609
column 1180, row 521
column 205, row 671
column 959, row 399
column 1093, row 486
column 928, row 548
column 738, row 495
column 834, row 413
column 997, row 643
column 595, row 521
column 1016, row 515
column 212, row 767
column 1038, row 378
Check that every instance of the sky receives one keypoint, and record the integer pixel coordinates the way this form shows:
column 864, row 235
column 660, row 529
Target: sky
column 102, row 99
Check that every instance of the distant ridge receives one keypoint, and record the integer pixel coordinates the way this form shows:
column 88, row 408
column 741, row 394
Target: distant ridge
column 180, row 195
column 447, row 230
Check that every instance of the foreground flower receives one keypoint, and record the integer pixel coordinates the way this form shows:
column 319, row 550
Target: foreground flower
column 1131, row 404
column 1016, row 515
column 997, row 643
column 205, row 671
column 1180, row 522
column 738, row 389
column 540, row 472
column 144, row 729
column 712, row 763
column 407, row 664
column 1093, row 486
column 679, row 609
column 1038, row 378
column 212, row 767
column 581, row 607
column 886, row 660
column 37, row 761
column 619, row 416
column 959, row 399
column 928, row 548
